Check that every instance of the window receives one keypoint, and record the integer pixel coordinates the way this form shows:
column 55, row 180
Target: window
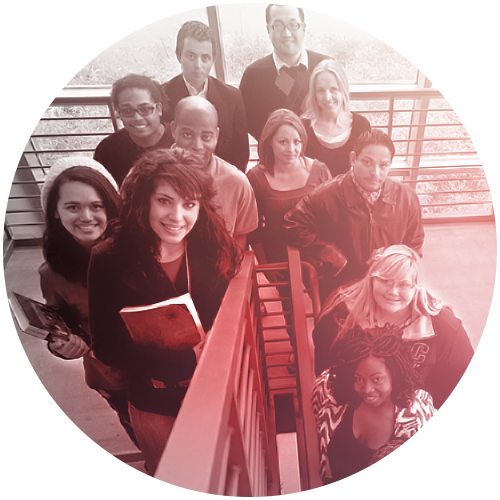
column 374, row 42
column 92, row 43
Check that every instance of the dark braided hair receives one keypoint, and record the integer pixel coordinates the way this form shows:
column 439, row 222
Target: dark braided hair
column 392, row 458
column 385, row 343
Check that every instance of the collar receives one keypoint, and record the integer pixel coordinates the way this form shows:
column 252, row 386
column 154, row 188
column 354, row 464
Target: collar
column 193, row 91
column 421, row 328
column 369, row 196
column 303, row 59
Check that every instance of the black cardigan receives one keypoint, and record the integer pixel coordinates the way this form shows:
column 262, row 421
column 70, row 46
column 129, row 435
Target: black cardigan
column 114, row 283
column 260, row 93
column 337, row 160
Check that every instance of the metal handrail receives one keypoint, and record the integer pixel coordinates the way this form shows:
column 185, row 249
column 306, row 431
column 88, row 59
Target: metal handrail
column 221, row 442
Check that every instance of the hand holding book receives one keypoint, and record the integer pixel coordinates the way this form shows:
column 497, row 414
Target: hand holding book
column 72, row 348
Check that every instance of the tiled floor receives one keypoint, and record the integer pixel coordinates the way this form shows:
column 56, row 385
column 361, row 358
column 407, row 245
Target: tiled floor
column 459, row 267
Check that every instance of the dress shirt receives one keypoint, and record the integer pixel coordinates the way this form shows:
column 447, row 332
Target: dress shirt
column 304, row 59
column 193, row 91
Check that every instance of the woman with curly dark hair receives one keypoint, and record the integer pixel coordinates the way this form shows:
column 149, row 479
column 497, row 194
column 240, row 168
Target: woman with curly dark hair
column 368, row 403
column 169, row 241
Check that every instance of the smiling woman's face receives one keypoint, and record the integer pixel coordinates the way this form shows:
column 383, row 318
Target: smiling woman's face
column 373, row 382
column 81, row 212
column 393, row 296
column 171, row 216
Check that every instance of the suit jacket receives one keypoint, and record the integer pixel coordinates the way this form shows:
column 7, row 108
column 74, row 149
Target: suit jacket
column 232, row 145
column 260, row 94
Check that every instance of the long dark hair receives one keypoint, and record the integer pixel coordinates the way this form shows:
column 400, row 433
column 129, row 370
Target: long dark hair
column 136, row 241
column 386, row 344
column 61, row 251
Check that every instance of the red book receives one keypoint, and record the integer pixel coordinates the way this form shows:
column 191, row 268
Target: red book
column 171, row 324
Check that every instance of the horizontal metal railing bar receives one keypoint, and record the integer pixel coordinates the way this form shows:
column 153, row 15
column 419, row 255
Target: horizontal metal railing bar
column 20, row 224
column 422, row 181
column 390, row 91
column 28, row 182
column 68, row 118
column 485, row 202
column 24, row 196
column 64, row 134
column 400, row 110
column 432, row 139
column 45, row 151
column 423, row 125
column 38, row 151
column 357, row 91
column 440, row 153
column 33, row 210
column 465, row 168
column 462, row 191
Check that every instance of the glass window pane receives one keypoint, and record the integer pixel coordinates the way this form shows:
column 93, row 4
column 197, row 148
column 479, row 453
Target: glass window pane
column 93, row 43
column 374, row 42
column 467, row 46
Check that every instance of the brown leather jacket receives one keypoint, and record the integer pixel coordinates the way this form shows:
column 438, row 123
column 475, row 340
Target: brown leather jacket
column 337, row 232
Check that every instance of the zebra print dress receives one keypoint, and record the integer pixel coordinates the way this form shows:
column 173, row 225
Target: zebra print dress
column 329, row 414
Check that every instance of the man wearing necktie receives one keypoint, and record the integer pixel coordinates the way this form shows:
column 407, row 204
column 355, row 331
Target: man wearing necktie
column 281, row 79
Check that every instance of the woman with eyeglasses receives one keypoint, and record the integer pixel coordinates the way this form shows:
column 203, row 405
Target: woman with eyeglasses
column 390, row 294
column 138, row 101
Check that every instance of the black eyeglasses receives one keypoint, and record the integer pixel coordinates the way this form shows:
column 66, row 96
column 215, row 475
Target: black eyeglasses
column 279, row 26
column 143, row 111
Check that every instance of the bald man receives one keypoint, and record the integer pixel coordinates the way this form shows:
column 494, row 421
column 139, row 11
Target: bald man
column 195, row 129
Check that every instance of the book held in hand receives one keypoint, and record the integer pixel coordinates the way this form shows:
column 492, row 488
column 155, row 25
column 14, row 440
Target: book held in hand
column 37, row 319
column 171, row 324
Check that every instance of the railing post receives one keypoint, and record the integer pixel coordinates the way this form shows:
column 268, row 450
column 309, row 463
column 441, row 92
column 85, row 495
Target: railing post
column 306, row 370
column 426, row 66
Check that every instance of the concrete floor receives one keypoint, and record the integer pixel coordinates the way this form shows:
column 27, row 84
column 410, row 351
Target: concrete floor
column 458, row 267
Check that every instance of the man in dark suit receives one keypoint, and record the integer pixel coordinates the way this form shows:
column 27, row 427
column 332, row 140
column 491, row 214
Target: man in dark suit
column 195, row 51
column 281, row 79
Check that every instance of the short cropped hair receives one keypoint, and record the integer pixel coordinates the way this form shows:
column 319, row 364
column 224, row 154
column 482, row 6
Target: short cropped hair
column 134, row 81
column 197, row 30
column 268, row 12
column 374, row 136
column 274, row 122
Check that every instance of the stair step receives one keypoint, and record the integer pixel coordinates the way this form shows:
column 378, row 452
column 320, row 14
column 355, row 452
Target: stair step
column 473, row 430
column 275, row 334
column 115, row 480
column 282, row 347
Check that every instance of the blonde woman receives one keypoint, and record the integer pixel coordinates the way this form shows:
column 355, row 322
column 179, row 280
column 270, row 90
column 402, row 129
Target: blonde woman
column 390, row 295
column 332, row 129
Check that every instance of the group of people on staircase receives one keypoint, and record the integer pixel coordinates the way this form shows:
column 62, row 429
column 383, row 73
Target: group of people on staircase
column 169, row 202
